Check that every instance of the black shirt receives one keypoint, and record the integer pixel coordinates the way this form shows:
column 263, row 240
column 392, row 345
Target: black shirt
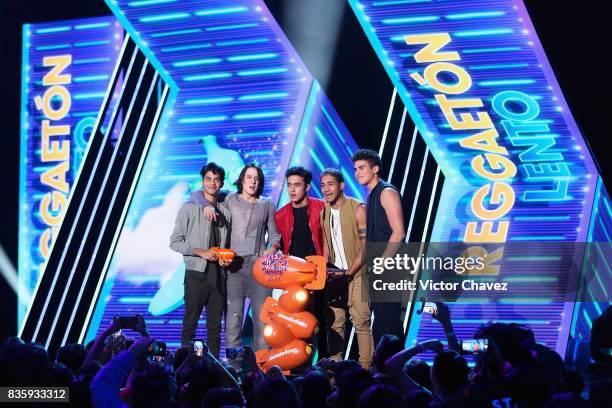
column 378, row 228
column 301, row 236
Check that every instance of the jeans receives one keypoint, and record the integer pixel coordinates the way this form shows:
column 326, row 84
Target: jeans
column 240, row 285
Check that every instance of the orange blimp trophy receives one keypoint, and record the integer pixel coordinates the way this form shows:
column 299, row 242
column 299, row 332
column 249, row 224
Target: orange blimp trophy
column 287, row 324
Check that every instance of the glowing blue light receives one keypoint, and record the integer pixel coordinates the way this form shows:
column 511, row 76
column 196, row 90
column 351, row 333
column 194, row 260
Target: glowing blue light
column 226, row 10
column 204, row 119
column 164, row 17
column 260, row 96
column 498, row 66
column 144, row 3
column 254, row 72
column 252, row 57
column 316, row 159
column 88, row 95
column 539, row 237
column 52, row 30
column 205, row 61
column 488, row 50
column 204, row 77
column 482, row 14
column 326, row 145
column 410, row 20
column 90, row 78
column 90, row 43
column 135, row 300
column 258, row 115
column 242, row 42
column 206, row 101
column 333, row 124
column 480, row 33
column 52, row 47
column 231, row 27
column 90, row 26
column 90, row 60
column 397, row 2
column 173, row 33
column 186, row 47
column 504, row 82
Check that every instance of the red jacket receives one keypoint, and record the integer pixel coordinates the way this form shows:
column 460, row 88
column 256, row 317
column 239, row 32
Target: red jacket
column 284, row 223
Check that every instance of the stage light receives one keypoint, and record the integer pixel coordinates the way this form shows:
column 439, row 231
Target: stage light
column 313, row 27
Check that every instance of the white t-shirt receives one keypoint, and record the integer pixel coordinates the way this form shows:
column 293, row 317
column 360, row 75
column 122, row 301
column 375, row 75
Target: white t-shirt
column 340, row 261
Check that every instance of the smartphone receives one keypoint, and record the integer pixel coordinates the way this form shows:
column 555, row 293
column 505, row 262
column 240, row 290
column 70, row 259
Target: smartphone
column 128, row 322
column 234, row 353
column 158, row 351
column 474, row 346
column 198, row 347
column 430, row 307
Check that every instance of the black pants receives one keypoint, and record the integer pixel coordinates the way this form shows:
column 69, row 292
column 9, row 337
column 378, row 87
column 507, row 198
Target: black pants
column 387, row 320
column 317, row 305
column 200, row 295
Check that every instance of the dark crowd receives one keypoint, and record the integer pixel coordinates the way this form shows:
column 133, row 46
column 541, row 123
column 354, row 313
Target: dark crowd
column 513, row 371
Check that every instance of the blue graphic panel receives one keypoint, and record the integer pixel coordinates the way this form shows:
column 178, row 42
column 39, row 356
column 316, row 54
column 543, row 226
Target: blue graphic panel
column 596, row 267
column 476, row 81
column 66, row 68
column 241, row 94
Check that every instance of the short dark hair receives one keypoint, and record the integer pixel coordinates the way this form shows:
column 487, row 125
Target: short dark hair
column 368, row 155
column 387, row 347
column 299, row 171
column 260, row 174
column 214, row 168
column 335, row 173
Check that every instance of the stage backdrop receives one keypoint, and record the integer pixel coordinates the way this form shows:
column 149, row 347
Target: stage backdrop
column 65, row 72
column 478, row 85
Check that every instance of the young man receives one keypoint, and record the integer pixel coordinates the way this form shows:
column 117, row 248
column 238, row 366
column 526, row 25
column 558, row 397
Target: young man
column 300, row 228
column 298, row 221
column 344, row 232
column 193, row 235
column 252, row 219
column 385, row 224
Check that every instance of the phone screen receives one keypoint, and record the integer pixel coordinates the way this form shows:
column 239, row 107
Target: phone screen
column 430, row 307
column 474, row 345
column 198, row 347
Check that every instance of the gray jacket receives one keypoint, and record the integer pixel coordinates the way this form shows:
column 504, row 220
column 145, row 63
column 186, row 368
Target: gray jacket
column 192, row 230
column 250, row 222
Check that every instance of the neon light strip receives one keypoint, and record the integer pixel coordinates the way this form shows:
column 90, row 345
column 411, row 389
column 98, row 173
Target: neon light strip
column 412, row 142
column 397, row 143
column 164, row 17
column 90, row 26
column 389, row 114
column 215, row 12
column 416, row 197
column 145, row 3
column 470, row 16
column 176, row 32
column 52, row 30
